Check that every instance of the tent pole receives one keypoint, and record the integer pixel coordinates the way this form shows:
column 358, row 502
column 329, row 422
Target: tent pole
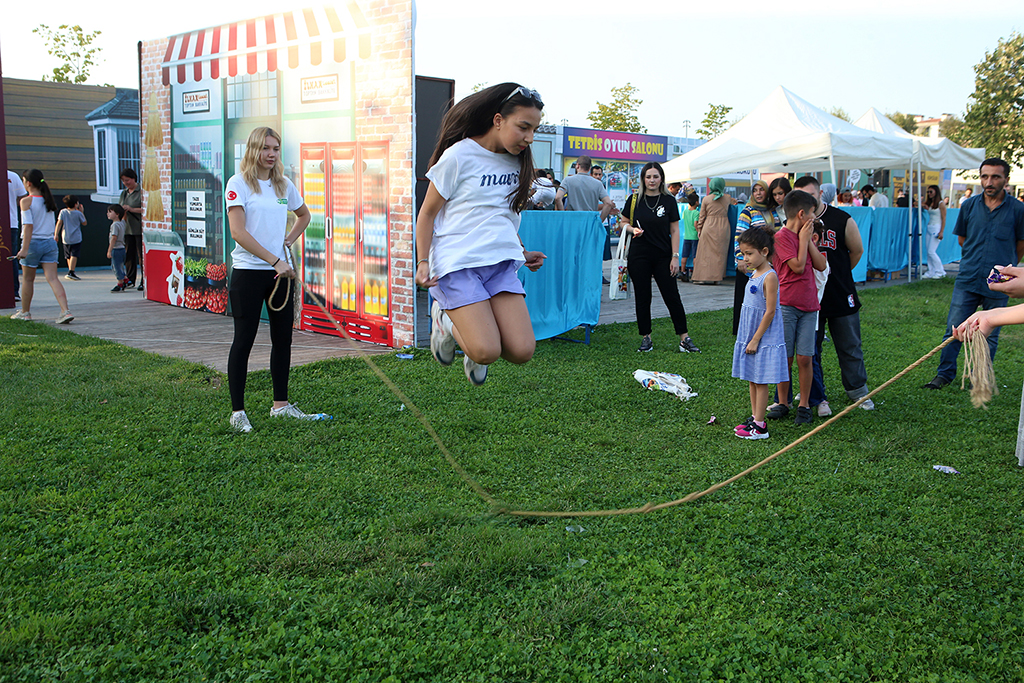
column 921, row 258
column 910, row 224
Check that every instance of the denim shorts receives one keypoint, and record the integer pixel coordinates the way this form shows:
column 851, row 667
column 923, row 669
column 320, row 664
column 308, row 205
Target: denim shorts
column 800, row 328
column 472, row 285
column 39, row 252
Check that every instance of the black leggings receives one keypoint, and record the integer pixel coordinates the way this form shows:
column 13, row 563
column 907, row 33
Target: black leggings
column 248, row 290
column 640, row 271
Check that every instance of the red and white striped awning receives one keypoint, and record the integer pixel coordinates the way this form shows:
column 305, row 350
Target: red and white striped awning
column 280, row 41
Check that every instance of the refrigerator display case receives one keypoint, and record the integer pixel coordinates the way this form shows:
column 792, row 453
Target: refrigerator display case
column 345, row 249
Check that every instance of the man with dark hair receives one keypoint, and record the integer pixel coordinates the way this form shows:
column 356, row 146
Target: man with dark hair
column 583, row 192
column 131, row 200
column 875, row 199
column 990, row 228
column 840, row 305
column 597, row 171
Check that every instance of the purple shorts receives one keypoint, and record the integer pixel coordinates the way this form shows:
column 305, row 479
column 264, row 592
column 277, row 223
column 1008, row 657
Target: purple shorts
column 472, row 285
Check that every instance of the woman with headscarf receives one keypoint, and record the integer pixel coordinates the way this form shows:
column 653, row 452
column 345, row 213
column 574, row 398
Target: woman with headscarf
column 828, row 193
column 756, row 214
column 713, row 232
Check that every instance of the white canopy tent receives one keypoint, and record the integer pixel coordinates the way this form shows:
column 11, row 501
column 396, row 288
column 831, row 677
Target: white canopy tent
column 934, row 154
column 787, row 134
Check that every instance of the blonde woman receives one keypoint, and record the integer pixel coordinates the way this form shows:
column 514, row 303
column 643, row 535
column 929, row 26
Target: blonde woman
column 258, row 200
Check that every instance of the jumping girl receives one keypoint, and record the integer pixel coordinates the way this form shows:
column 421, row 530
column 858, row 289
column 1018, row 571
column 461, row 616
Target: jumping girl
column 258, row 200
column 480, row 178
column 760, row 352
column 38, row 245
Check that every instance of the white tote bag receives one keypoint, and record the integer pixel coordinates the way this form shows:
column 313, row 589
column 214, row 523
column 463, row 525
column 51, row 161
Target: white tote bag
column 618, row 287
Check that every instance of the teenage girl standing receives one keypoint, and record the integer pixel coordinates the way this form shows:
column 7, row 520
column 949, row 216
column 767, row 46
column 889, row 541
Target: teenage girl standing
column 258, row 200
column 936, row 209
column 760, row 352
column 38, row 245
column 467, row 230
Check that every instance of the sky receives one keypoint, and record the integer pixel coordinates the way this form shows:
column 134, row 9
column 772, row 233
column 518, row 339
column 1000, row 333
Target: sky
column 915, row 58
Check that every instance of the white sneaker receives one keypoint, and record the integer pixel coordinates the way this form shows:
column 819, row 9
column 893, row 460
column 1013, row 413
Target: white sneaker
column 475, row 373
column 868, row 405
column 65, row 317
column 442, row 344
column 240, row 422
column 824, row 410
column 22, row 315
column 291, row 411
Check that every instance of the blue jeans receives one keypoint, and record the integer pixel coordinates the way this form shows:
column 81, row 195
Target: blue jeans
column 117, row 263
column 961, row 307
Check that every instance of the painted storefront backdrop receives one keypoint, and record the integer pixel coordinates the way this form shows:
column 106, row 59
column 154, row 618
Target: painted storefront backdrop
column 621, row 155
column 336, row 82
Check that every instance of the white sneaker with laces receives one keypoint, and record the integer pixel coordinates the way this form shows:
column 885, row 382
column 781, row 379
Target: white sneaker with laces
column 291, row 411
column 868, row 405
column 475, row 372
column 22, row 315
column 824, row 410
column 442, row 344
column 65, row 317
column 240, row 422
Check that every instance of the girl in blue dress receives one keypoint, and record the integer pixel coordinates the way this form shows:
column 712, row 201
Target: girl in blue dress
column 760, row 352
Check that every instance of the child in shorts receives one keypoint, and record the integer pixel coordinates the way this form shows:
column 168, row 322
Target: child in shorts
column 795, row 261
column 69, row 227
column 116, row 250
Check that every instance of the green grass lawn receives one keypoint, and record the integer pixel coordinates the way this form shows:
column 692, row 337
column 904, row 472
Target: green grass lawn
column 141, row 540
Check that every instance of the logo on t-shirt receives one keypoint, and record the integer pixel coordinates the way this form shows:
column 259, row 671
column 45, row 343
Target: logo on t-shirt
column 488, row 179
column 232, row 195
column 282, row 200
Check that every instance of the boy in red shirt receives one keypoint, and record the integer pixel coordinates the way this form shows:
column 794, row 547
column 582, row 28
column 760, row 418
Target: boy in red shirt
column 795, row 260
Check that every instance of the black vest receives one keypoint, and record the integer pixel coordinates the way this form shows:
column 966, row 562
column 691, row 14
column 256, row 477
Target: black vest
column 840, row 296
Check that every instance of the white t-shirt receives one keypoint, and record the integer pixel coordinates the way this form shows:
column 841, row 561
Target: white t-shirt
column 475, row 227
column 43, row 222
column 15, row 189
column 879, row 201
column 544, row 192
column 266, row 218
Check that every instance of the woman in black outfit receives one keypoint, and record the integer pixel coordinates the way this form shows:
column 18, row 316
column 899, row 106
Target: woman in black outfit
column 651, row 216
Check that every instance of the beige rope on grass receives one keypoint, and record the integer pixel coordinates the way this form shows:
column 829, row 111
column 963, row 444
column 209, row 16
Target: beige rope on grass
column 499, row 508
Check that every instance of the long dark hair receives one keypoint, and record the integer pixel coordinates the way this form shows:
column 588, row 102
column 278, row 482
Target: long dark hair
column 474, row 116
column 643, row 172
column 35, row 176
column 938, row 197
column 777, row 183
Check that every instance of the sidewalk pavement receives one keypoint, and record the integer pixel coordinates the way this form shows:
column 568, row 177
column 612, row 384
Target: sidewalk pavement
column 130, row 319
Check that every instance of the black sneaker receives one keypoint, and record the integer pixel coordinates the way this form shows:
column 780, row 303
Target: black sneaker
column 140, row 288
column 687, row 346
column 937, row 382
column 646, row 345
column 71, row 276
column 777, row 412
column 117, row 288
column 804, row 416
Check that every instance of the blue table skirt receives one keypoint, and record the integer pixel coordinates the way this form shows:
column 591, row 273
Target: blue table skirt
column 566, row 292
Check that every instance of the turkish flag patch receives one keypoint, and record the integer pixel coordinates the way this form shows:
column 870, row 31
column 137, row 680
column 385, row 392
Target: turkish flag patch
column 232, row 195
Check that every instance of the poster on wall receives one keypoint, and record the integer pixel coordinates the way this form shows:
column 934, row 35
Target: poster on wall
column 314, row 76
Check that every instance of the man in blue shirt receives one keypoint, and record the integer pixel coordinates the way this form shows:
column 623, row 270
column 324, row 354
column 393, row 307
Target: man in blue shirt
column 990, row 228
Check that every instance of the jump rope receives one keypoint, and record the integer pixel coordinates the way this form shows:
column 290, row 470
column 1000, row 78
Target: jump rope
column 977, row 372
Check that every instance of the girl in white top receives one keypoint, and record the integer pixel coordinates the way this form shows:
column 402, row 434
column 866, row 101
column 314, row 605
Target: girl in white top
column 38, row 245
column 467, row 237
column 258, row 200
column 936, row 209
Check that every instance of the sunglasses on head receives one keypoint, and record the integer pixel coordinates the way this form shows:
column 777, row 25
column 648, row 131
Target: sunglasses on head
column 525, row 92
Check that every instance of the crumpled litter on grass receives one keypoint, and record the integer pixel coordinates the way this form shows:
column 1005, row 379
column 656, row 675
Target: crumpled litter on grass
column 665, row 381
column 944, row 469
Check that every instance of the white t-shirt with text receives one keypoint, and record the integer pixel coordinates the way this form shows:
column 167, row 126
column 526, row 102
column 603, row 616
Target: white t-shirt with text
column 475, row 227
column 266, row 218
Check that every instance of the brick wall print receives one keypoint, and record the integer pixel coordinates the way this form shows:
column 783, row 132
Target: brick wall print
column 336, row 83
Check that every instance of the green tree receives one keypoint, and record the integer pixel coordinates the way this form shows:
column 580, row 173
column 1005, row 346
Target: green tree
column 952, row 128
column 904, row 121
column 995, row 111
column 73, row 46
column 840, row 113
column 715, row 122
column 620, row 115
